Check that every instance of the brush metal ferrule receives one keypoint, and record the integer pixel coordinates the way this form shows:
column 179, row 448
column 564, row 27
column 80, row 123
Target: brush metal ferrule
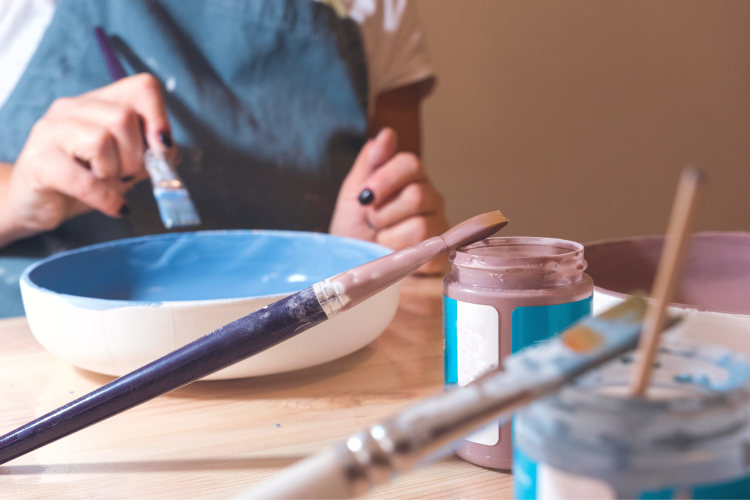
column 365, row 464
column 163, row 175
column 331, row 297
column 373, row 457
column 369, row 458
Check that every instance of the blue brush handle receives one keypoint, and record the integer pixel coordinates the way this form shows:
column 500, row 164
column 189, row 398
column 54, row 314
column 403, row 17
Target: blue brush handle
column 230, row 344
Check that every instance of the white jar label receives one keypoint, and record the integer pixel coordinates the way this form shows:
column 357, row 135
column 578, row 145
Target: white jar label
column 474, row 350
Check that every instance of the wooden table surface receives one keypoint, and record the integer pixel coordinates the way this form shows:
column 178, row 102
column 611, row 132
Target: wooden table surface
column 215, row 439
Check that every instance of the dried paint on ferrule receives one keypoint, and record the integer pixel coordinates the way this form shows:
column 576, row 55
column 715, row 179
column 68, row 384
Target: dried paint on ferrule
column 331, row 297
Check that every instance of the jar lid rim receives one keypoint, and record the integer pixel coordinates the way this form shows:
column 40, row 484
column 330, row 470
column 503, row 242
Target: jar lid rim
column 570, row 250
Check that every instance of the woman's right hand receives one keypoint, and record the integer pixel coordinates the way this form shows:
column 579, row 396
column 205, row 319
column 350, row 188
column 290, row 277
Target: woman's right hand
column 84, row 154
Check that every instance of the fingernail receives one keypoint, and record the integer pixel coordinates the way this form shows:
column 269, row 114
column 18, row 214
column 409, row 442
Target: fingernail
column 127, row 178
column 166, row 138
column 366, row 197
column 376, row 153
column 125, row 209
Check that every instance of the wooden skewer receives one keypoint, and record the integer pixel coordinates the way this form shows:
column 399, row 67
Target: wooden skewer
column 667, row 276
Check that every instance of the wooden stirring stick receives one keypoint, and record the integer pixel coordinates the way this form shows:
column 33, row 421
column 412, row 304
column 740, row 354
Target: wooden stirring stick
column 671, row 261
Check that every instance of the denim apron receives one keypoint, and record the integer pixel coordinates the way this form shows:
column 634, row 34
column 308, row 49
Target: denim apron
column 267, row 101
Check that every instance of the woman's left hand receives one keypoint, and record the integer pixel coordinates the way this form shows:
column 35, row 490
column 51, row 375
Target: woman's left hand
column 388, row 198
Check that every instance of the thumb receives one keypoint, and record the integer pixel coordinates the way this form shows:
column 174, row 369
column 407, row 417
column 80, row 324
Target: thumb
column 376, row 152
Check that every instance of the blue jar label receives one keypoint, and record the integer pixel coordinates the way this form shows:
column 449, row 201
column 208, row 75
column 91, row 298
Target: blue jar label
column 524, row 476
column 530, row 325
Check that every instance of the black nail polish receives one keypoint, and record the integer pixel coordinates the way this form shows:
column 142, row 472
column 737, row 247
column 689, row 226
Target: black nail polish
column 166, row 138
column 127, row 178
column 125, row 210
column 366, row 197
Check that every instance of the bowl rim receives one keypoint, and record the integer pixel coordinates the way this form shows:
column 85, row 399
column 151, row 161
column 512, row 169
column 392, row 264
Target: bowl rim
column 701, row 234
column 103, row 304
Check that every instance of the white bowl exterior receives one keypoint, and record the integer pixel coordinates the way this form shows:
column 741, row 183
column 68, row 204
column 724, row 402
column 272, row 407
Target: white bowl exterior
column 728, row 330
column 119, row 340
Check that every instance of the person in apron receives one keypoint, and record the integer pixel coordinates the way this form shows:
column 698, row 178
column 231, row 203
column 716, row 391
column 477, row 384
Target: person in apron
column 266, row 102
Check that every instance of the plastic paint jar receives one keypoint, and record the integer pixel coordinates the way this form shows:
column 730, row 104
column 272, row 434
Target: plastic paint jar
column 502, row 295
column 689, row 439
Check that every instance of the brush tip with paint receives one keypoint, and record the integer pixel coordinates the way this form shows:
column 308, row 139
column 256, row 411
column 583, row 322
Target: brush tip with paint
column 475, row 229
column 176, row 208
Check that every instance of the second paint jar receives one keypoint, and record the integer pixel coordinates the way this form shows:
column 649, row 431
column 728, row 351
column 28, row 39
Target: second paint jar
column 504, row 294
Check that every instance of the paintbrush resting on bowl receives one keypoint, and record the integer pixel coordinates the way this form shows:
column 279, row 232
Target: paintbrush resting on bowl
column 425, row 431
column 243, row 338
column 176, row 208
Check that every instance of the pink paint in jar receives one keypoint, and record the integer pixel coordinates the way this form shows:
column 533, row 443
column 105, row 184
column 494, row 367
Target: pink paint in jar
column 504, row 294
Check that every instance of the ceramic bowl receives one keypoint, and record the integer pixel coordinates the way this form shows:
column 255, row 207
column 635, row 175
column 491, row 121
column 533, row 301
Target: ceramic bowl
column 114, row 307
column 713, row 293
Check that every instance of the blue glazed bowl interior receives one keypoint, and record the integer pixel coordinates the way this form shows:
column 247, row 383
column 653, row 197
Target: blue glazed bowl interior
column 200, row 266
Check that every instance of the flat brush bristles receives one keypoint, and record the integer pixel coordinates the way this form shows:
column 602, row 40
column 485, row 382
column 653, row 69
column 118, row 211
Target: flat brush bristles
column 175, row 206
column 473, row 230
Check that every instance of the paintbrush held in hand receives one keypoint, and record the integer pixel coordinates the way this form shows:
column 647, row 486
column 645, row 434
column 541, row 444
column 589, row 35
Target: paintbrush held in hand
column 176, row 208
column 243, row 338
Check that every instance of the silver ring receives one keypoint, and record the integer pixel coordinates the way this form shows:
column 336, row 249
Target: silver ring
column 370, row 225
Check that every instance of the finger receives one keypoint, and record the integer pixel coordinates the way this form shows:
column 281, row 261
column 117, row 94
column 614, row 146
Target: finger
column 67, row 176
column 384, row 146
column 400, row 171
column 122, row 122
column 91, row 144
column 143, row 93
column 415, row 199
column 411, row 231
column 435, row 266
column 373, row 154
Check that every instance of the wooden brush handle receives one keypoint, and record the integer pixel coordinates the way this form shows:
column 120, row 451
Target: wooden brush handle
column 667, row 276
column 319, row 476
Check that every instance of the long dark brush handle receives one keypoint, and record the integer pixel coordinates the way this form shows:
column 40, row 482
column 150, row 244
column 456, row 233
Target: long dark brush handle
column 234, row 342
column 116, row 70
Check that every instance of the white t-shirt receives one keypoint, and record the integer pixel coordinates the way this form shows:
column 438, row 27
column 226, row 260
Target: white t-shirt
column 393, row 41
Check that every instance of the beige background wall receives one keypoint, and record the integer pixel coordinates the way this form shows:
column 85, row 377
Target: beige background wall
column 575, row 117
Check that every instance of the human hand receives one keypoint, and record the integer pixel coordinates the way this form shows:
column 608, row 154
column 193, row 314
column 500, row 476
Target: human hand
column 85, row 153
column 388, row 198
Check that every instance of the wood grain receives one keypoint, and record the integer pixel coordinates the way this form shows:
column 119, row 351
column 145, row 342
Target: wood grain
column 215, row 439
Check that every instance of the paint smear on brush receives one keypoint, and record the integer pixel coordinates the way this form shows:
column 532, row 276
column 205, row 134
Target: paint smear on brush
column 582, row 339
